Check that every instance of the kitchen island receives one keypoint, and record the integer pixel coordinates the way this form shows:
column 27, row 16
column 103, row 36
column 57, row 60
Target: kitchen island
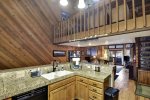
column 14, row 82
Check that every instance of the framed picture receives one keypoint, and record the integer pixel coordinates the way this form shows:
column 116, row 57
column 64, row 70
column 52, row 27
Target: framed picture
column 120, row 46
column 111, row 46
column 59, row 53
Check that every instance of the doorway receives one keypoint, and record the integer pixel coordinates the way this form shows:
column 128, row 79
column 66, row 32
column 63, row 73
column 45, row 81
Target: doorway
column 116, row 56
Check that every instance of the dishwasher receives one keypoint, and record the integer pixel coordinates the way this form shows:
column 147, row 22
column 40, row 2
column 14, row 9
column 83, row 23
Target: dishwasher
column 36, row 94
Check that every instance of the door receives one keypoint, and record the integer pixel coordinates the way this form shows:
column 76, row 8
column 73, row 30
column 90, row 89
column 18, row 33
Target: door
column 82, row 91
column 58, row 94
column 119, row 57
column 70, row 91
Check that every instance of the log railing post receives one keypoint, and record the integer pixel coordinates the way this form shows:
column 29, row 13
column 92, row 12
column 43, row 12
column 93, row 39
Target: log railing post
column 144, row 15
column 133, row 8
column 104, row 16
column 125, row 14
column 117, row 15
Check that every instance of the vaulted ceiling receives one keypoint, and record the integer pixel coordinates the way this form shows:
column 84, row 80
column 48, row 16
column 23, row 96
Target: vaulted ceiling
column 26, row 33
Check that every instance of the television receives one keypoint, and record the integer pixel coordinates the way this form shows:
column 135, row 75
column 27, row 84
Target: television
column 59, row 53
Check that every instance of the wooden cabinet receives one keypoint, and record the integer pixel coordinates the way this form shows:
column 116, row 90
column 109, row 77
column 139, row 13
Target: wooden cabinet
column 144, row 77
column 87, row 89
column 82, row 79
column 77, row 87
column 95, row 84
column 96, row 90
column 58, row 94
column 66, row 92
column 81, row 90
column 62, row 90
column 70, row 91
column 95, row 96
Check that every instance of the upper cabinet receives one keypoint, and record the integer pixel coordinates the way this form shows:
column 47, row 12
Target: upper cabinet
column 107, row 17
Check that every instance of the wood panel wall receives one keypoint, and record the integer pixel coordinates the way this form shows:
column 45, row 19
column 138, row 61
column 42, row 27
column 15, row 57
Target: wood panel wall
column 26, row 34
column 143, row 77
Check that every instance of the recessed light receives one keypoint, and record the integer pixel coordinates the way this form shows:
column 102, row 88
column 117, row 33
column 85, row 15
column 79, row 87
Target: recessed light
column 81, row 4
column 63, row 2
column 90, row 44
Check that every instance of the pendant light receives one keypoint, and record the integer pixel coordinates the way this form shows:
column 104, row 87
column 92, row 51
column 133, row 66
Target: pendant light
column 63, row 2
column 81, row 4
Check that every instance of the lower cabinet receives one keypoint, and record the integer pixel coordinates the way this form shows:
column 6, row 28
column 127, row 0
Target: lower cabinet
column 63, row 90
column 70, row 91
column 58, row 94
column 66, row 92
column 95, row 96
column 79, row 88
column 81, row 91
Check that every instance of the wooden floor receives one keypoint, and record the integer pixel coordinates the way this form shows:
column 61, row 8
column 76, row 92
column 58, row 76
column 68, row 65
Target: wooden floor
column 126, row 87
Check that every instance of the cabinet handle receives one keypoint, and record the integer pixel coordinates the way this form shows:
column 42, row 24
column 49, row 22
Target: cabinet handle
column 81, row 80
column 94, row 84
column 94, row 90
column 94, row 97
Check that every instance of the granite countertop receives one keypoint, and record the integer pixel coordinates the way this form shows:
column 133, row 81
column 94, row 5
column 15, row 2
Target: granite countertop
column 9, row 88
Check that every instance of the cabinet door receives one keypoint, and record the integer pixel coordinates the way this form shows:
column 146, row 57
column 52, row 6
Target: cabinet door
column 143, row 77
column 58, row 94
column 70, row 91
column 82, row 91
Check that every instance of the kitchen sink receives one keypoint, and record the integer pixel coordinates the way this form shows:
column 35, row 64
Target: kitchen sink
column 56, row 74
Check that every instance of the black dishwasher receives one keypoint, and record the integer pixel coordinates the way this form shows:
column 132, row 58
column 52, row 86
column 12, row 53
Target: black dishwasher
column 36, row 94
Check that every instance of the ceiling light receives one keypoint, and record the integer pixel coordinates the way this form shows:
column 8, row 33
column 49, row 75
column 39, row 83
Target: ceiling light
column 64, row 2
column 90, row 44
column 95, row 0
column 81, row 4
column 78, row 45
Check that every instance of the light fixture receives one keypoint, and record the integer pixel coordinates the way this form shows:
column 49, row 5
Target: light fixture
column 90, row 44
column 78, row 45
column 64, row 2
column 81, row 4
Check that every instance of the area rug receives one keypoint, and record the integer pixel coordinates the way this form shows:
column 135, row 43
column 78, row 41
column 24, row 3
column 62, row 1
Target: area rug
column 142, row 90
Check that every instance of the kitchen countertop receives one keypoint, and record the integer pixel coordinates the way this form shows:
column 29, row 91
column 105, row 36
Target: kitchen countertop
column 14, row 87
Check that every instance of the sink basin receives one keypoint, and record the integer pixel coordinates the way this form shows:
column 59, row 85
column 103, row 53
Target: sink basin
column 57, row 74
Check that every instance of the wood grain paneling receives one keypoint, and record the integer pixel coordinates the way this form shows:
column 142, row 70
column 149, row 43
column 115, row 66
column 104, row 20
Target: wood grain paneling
column 26, row 33
column 144, row 77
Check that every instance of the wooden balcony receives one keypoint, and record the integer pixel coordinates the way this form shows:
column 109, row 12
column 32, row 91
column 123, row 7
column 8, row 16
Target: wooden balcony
column 108, row 17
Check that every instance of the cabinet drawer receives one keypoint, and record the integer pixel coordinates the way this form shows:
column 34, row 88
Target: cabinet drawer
column 96, row 84
column 61, row 83
column 82, row 79
column 96, row 90
column 95, row 96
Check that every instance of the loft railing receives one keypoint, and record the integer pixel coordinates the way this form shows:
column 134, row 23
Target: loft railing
column 107, row 17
